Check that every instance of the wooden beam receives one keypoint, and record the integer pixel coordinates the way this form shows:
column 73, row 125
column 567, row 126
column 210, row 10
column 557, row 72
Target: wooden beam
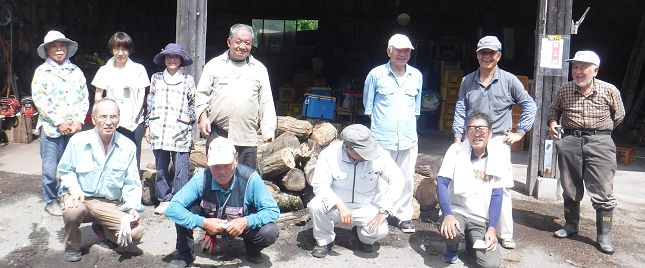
column 554, row 18
column 190, row 33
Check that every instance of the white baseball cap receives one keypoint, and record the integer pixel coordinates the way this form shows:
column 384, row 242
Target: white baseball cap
column 586, row 56
column 490, row 42
column 400, row 41
column 221, row 152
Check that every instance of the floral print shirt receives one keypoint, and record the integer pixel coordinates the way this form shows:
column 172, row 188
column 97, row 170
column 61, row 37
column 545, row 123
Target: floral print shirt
column 60, row 94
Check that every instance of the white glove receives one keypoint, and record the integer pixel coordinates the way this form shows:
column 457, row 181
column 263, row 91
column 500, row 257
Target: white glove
column 124, row 235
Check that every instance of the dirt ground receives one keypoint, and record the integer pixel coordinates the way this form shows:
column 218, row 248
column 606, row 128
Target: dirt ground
column 38, row 239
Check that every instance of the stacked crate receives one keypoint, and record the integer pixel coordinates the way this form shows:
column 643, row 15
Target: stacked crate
column 450, row 82
column 517, row 113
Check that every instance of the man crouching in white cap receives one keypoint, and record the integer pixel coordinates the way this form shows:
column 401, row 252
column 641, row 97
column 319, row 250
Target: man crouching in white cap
column 227, row 199
column 348, row 176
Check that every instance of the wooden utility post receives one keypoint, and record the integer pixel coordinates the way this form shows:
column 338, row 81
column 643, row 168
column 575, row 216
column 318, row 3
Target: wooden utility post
column 554, row 18
column 190, row 33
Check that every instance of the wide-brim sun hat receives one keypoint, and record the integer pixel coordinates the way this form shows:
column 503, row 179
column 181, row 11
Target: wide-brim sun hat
column 52, row 36
column 173, row 49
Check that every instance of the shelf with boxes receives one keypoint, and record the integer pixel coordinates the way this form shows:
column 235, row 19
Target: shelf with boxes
column 450, row 83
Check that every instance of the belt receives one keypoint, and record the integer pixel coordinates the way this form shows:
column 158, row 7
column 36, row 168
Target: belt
column 586, row 132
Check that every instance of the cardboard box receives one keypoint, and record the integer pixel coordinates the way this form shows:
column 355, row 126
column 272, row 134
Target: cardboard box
column 449, row 93
column 445, row 123
column 294, row 109
column 319, row 107
column 287, row 94
column 448, row 108
column 452, row 77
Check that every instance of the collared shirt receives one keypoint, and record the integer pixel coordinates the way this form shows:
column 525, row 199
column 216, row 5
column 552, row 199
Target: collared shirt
column 238, row 99
column 602, row 109
column 112, row 175
column 257, row 196
column 171, row 111
column 122, row 85
column 339, row 177
column 496, row 100
column 393, row 106
column 60, row 94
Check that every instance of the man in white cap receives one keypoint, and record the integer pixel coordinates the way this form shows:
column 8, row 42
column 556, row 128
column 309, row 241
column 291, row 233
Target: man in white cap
column 493, row 91
column 348, row 176
column 392, row 100
column 226, row 199
column 588, row 109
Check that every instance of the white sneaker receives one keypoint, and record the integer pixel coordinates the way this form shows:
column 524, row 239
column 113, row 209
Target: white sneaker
column 508, row 243
column 161, row 209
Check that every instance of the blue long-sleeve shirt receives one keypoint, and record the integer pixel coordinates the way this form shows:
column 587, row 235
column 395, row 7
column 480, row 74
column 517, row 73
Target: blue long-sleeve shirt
column 496, row 99
column 257, row 196
column 393, row 105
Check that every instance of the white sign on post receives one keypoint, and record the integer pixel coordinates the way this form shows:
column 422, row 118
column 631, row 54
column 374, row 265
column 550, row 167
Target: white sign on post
column 551, row 52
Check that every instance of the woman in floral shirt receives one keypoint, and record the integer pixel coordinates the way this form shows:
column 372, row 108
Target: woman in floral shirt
column 60, row 94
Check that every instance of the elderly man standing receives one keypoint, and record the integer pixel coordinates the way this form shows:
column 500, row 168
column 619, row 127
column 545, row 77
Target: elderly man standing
column 347, row 179
column 98, row 169
column 227, row 199
column 588, row 110
column 493, row 91
column 234, row 97
column 470, row 192
column 392, row 100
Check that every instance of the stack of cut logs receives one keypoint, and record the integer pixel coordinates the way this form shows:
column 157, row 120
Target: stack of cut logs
column 287, row 164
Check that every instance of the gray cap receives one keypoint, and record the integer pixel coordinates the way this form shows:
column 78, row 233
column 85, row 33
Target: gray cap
column 490, row 42
column 359, row 138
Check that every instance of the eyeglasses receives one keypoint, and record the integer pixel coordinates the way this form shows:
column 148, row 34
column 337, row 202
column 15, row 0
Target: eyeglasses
column 481, row 129
column 104, row 117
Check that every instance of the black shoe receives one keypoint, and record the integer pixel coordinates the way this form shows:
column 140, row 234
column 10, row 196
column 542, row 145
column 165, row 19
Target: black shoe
column 254, row 257
column 406, row 226
column 183, row 259
column 106, row 243
column 73, row 256
column 361, row 246
column 322, row 251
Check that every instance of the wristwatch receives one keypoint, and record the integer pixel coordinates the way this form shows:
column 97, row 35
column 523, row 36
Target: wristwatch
column 384, row 211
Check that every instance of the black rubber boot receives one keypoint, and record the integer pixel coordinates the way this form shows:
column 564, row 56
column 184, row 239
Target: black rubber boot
column 604, row 219
column 572, row 218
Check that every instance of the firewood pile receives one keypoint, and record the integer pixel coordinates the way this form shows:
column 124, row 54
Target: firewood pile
column 287, row 164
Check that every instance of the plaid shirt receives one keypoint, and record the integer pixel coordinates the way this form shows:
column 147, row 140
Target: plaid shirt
column 602, row 109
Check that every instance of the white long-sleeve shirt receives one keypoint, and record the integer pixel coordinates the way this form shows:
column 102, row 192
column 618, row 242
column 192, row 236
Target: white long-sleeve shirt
column 338, row 177
column 237, row 97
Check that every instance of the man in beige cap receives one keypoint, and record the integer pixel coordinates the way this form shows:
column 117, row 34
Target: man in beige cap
column 348, row 176
column 588, row 109
column 227, row 199
column 392, row 100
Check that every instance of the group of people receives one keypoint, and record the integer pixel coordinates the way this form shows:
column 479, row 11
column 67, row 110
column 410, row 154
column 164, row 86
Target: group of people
column 360, row 182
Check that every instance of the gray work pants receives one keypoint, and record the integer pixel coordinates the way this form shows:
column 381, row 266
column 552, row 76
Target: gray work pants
column 588, row 159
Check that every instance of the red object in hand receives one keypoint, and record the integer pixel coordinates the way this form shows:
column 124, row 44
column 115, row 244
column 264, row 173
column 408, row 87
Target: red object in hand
column 210, row 243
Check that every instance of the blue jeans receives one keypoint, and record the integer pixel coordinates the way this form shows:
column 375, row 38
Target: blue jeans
column 51, row 150
column 162, row 161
